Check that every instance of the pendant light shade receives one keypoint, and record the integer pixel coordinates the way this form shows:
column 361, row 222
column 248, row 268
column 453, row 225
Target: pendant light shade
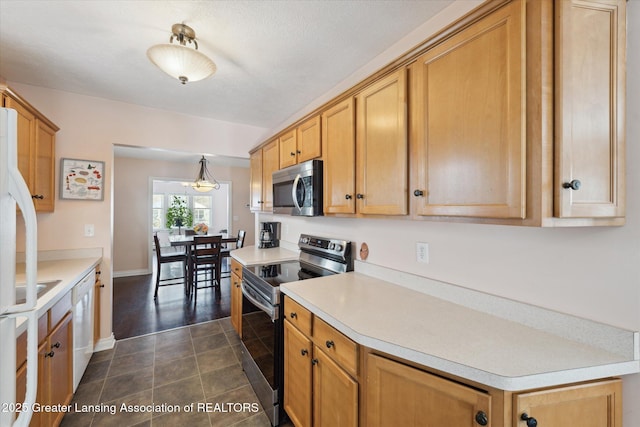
column 204, row 181
column 180, row 61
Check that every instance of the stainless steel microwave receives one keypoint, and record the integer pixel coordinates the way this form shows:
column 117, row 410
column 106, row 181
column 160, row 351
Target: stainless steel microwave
column 297, row 190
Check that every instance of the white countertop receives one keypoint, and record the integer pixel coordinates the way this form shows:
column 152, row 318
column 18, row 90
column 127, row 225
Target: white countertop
column 69, row 271
column 456, row 339
column 252, row 255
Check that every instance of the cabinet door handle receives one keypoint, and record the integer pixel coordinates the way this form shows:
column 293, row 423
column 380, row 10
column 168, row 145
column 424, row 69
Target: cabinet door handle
column 573, row 185
column 481, row 418
column 56, row 345
column 37, row 196
column 293, row 315
column 50, row 354
column 348, row 196
column 292, row 154
column 359, row 196
column 531, row 422
column 304, row 352
column 418, row 193
column 314, row 361
column 298, row 151
column 330, row 344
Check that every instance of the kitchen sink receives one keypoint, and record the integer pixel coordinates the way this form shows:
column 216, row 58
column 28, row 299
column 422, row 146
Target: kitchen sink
column 41, row 289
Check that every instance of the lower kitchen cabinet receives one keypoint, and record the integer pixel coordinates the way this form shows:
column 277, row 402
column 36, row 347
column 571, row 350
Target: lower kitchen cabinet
column 586, row 405
column 318, row 388
column 55, row 364
column 398, row 394
column 236, row 296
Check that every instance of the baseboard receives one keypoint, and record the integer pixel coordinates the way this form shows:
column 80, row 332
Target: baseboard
column 105, row 344
column 128, row 273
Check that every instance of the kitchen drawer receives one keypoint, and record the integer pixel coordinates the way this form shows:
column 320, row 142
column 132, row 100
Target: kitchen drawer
column 298, row 316
column 236, row 267
column 337, row 346
column 59, row 310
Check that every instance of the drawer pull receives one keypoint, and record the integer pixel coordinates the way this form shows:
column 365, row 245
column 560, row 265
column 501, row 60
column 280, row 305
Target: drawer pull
column 531, row 422
column 304, row 352
column 56, row 345
column 50, row 354
column 330, row 344
column 293, row 315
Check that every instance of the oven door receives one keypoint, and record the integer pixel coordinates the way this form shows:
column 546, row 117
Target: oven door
column 262, row 348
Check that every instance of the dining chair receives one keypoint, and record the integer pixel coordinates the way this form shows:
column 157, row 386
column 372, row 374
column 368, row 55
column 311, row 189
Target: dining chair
column 166, row 258
column 226, row 253
column 204, row 262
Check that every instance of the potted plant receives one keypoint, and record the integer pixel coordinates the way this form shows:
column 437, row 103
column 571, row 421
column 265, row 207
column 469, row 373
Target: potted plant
column 179, row 214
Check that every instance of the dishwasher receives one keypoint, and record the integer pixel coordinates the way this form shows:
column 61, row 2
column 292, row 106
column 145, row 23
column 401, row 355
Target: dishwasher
column 82, row 297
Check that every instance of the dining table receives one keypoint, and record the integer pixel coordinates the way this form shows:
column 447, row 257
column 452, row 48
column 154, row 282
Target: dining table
column 188, row 240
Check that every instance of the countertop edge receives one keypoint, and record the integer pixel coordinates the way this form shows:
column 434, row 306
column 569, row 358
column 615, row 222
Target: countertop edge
column 49, row 299
column 520, row 383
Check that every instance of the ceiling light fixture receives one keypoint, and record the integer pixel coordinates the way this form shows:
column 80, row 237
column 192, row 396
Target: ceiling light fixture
column 204, row 181
column 178, row 60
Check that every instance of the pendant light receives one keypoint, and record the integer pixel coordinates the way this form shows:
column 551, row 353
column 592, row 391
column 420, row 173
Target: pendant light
column 178, row 60
column 204, row 181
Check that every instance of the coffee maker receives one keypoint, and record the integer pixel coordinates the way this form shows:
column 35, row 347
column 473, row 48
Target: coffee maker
column 269, row 235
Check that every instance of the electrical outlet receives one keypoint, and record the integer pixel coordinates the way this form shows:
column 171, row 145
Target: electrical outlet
column 89, row 230
column 422, row 252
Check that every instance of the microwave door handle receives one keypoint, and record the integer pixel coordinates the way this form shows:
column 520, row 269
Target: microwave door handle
column 294, row 196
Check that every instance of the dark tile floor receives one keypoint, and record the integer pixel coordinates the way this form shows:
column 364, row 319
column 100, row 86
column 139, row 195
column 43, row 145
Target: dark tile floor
column 194, row 365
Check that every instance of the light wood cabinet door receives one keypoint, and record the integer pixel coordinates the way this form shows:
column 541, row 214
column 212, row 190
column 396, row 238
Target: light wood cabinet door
column 468, row 121
column 288, row 149
column 236, row 304
column 585, row 405
column 26, row 135
column 381, row 147
column 97, row 291
column 270, row 163
column 335, row 394
column 339, row 151
column 308, row 140
column 404, row 396
column 44, row 168
column 255, row 180
column 297, row 376
column 590, row 103
column 60, row 367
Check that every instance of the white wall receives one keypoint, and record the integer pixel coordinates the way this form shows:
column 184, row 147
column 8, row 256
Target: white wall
column 589, row 272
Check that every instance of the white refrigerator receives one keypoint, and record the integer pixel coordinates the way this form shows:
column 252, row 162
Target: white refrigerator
column 14, row 191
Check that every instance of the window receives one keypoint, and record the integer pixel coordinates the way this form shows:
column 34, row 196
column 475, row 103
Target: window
column 157, row 214
column 202, row 209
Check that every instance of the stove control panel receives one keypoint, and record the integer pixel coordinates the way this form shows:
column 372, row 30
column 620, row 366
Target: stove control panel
column 323, row 244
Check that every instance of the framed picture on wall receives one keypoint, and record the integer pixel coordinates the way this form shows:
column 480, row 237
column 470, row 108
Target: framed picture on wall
column 81, row 179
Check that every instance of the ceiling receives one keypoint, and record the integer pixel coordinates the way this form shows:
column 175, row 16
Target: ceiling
column 273, row 57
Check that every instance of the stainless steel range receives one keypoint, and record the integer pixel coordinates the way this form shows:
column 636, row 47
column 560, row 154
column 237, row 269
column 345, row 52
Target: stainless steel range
column 262, row 322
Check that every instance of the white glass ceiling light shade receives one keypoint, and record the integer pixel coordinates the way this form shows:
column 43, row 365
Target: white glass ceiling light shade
column 178, row 60
column 204, row 181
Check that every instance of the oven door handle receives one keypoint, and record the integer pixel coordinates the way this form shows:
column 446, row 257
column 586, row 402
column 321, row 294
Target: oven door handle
column 271, row 311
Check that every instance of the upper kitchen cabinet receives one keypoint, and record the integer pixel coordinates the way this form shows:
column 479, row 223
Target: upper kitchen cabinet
column 36, row 150
column 545, row 147
column 301, row 144
column 469, row 140
column 263, row 163
column 381, row 146
column 339, row 148
column 590, row 45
